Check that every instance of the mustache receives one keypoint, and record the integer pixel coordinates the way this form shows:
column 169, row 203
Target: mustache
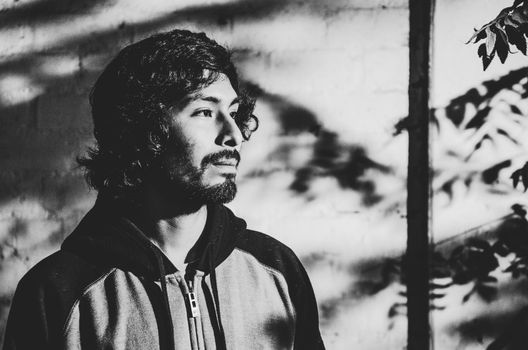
column 225, row 154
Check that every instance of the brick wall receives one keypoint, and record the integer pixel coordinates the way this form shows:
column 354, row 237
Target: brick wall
column 336, row 66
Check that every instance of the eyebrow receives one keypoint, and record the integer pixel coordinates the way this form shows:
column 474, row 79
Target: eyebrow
column 213, row 99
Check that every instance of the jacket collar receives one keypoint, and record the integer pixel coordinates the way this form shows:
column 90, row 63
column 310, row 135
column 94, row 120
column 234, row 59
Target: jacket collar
column 107, row 236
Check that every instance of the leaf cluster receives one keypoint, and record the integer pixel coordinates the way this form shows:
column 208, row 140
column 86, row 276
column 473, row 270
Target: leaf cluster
column 520, row 175
column 490, row 113
column 474, row 261
column 508, row 29
column 488, row 116
column 474, row 110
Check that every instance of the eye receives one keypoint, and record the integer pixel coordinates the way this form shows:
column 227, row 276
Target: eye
column 203, row 113
column 233, row 114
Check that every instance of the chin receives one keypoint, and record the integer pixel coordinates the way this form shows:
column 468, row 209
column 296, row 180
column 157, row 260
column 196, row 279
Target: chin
column 217, row 178
column 199, row 190
column 198, row 194
column 220, row 193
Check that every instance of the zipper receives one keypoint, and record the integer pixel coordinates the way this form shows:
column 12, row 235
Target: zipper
column 194, row 321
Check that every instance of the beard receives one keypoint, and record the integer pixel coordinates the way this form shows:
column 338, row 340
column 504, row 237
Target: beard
column 179, row 178
column 196, row 194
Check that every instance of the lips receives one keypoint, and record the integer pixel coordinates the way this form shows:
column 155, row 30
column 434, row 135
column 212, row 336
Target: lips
column 225, row 158
column 226, row 162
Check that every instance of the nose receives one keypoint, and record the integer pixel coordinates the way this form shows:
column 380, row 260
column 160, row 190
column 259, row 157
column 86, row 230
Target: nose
column 230, row 134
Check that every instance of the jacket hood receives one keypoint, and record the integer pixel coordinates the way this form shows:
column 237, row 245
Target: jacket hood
column 108, row 236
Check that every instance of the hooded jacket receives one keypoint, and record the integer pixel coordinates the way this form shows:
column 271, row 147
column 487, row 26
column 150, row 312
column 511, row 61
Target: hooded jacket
column 110, row 287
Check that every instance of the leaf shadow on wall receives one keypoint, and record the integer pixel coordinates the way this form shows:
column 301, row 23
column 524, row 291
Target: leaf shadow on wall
column 471, row 127
column 331, row 157
column 368, row 276
column 486, row 117
column 43, row 132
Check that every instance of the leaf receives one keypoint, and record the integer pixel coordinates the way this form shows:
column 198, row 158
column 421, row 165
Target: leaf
column 477, row 146
column 514, row 109
column 434, row 120
column 400, row 126
column 515, row 176
column 481, row 50
column 501, row 44
column 518, row 209
column 394, row 309
column 447, row 188
column 502, row 31
column 486, row 60
column 477, row 35
column 519, row 17
column 479, row 118
column 490, row 42
column 467, row 296
column 507, row 135
column 524, row 175
column 491, row 174
column 481, row 35
column 509, row 22
column 516, row 38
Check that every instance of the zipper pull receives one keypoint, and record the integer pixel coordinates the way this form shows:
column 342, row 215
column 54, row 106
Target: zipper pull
column 190, row 297
column 192, row 305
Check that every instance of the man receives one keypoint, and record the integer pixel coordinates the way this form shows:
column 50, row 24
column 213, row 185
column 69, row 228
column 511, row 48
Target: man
column 159, row 262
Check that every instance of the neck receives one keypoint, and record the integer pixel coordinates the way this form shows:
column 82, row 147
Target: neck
column 171, row 225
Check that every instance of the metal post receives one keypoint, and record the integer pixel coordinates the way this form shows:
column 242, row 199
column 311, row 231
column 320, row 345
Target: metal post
column 418, row 182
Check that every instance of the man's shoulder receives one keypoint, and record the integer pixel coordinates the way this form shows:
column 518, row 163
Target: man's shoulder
column 263, row 243
column 44, row 298
column 60, row 273
column 271, row 252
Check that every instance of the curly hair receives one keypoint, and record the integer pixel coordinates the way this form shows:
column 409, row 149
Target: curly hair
column 132, row 97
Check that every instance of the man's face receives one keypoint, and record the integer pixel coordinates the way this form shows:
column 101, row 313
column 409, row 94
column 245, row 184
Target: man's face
column 201, row 161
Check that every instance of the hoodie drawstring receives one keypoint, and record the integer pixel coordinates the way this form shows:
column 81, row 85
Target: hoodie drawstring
column 213, row 300
column 222, row 342
column 168, row 315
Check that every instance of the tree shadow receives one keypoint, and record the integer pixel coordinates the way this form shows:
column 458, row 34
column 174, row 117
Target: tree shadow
column 506, row 326
column 348, row 164
column 369, row 276
column 330, row 157
column 41, row 134
column 483, row 118
column 44, row 133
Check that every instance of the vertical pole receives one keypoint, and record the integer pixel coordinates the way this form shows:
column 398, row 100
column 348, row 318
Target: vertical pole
column 418, row 185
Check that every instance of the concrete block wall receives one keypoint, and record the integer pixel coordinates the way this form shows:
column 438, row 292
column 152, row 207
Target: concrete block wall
column 339, row 67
